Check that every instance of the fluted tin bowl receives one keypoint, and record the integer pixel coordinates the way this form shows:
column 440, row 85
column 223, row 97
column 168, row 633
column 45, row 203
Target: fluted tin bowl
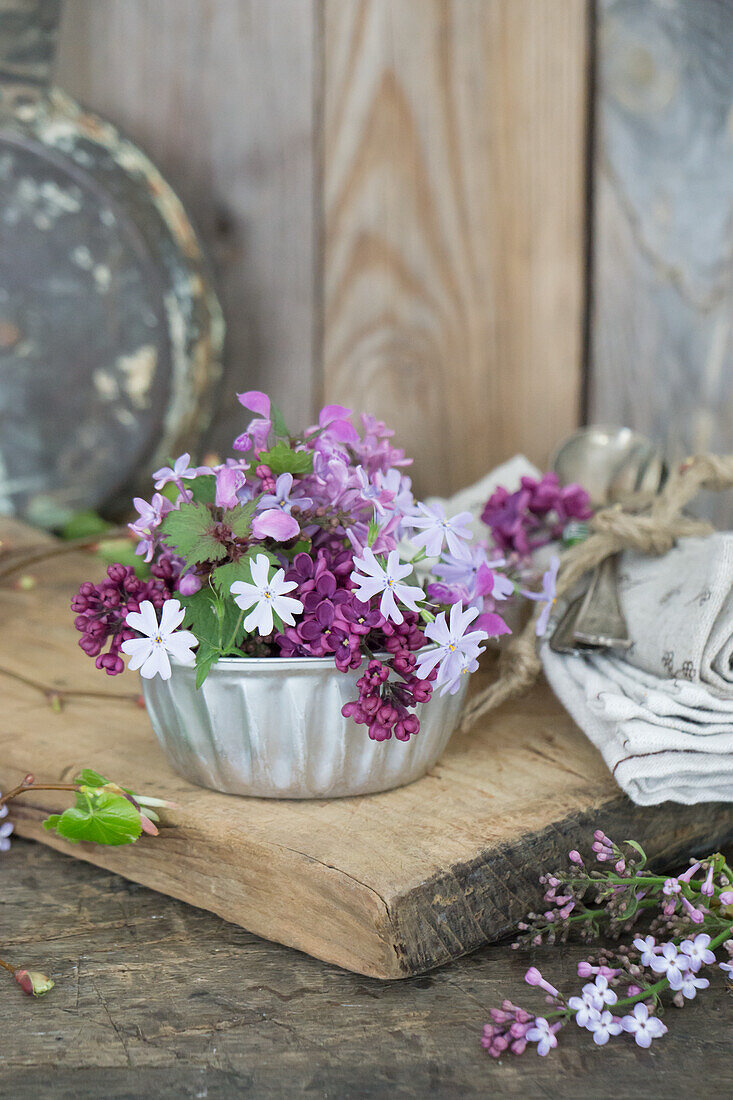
column 272, row 727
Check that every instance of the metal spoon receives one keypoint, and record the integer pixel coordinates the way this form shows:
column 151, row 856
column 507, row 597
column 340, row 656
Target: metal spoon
column 611, row 463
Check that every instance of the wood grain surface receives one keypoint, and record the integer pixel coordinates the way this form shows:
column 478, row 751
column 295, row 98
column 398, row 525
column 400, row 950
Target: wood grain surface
column 220, row 95
column 453, row 183
column 662, row 349
column 388, row 885
column 154, row 998
column 393, row 194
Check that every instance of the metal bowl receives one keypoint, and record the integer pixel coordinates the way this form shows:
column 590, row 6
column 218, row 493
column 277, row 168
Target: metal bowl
column 610, row 463
column 272, row 727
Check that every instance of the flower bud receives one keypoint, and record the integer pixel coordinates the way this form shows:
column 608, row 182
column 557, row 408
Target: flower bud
column 33, row 982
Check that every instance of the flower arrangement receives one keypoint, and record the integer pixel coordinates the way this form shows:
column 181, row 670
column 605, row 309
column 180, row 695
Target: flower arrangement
column 689, row 916
column 314, row 546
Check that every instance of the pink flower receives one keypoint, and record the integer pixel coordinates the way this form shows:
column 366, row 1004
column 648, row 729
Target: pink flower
column 275, row 524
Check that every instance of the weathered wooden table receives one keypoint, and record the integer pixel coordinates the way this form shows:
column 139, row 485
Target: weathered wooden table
column 157, row 999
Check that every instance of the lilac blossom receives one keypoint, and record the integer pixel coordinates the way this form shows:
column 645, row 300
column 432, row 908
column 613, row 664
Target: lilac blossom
column 453, row 646
column 175, row 474
column 375, row 451
column 373, row 493
column 6, row 829
column 648, row 949
column 283, row 497
column 375, row 578
column 642, row 1026
column 546, row 597
column 691, row 983
column 697, row 951
column 396, row 483
column 586, row 1007
column 151, row 515
column 603, row 1025
column 435, row 529
column 671, row 964
column 231, row 479
column 544, row 1034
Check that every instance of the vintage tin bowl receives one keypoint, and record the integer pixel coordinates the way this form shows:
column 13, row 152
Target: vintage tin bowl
column 272, row 727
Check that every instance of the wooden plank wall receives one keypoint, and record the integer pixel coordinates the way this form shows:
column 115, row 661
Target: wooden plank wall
column 392, row 192
column 662, row 346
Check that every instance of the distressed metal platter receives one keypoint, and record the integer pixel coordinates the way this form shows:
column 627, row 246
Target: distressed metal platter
column 110, row 332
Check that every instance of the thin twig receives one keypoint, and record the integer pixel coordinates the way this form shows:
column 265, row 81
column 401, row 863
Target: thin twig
column 23, row 788
column 52, row 693
column 31, row 556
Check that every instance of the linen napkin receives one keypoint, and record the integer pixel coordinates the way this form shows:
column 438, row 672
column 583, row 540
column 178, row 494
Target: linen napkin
column 662, row 713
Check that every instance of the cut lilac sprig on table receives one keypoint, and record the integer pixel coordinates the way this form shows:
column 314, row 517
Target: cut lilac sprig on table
column 629, row 984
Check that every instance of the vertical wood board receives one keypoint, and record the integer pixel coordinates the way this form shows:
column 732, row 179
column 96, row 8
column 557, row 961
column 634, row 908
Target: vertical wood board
column 454, row 224
column 662, row 347
column 220, row 95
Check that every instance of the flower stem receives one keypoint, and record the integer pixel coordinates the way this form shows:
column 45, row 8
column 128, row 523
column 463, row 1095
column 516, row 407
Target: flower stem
column 230, row 643
column 7, row 966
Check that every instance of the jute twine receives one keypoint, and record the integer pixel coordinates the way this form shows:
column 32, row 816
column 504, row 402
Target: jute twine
column 651, row 526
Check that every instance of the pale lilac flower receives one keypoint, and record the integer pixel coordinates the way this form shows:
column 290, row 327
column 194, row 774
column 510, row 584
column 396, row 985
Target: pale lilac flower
column 268, row 595
column 534, row 977
column 671, row 887
column 605, row 994
column 5, row 830
column 586, row 1007
column 151, row 516
column 375, row 578
column 463, row 571
column 690, row 985
column 544, row 1035
column 728, row 968
column 648, row 949
column 180, row 469
column 150, row 654
column 452, row 646
column 604, row 1025
column 435, row 529
column 670, row 963
column 275, row 524
column 547, row 596
column 697, row 951
column 400, row 487
column 707, row 889
column 697, row 916
column 282, row 497
column 642, row 1026
column 373, row 493
column 691, row 870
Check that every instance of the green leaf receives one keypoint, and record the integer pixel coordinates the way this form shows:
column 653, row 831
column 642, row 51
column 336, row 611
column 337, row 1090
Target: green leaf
column 203, row 489
column 637, row 848
column 89, row 778
column 99, row 817
column 187, row 531
column 206, row 656
column 279, row 426
column 239, row 520
column 202, row 616
column 282, row 459
column 372, row 531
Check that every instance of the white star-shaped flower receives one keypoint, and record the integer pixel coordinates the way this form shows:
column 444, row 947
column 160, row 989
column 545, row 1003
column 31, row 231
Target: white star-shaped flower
column 375, row 578
column 267, row 595
column 150, row 654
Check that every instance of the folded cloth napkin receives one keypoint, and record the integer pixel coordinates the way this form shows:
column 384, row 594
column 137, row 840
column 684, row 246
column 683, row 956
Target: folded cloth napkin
column 662, row 713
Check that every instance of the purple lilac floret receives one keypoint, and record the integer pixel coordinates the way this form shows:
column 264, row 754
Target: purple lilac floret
column 624, row 987
column 535, row 514
column 310, row 546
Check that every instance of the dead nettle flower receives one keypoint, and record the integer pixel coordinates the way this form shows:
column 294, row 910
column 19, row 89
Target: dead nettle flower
column 692, row 915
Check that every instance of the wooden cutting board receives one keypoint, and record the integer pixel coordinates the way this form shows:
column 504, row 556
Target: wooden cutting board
column 388, row 885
